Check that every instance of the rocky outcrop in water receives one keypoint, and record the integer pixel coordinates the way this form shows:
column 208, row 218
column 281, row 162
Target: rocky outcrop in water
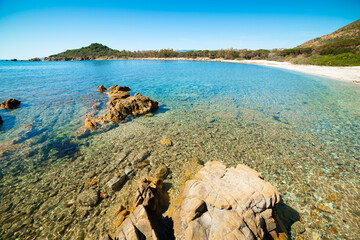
column 121, row 105
column 34, row 60
column 101, row 88
column 220, row 203
column 232, row 203
column 11, row 103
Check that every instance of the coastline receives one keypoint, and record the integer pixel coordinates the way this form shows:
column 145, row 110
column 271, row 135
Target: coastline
column 344, row 74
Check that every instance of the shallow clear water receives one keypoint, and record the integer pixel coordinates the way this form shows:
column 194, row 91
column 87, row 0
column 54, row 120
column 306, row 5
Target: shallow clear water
column 300, row 131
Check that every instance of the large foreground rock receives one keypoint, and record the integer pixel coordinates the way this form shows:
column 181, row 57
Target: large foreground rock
column 226, row 203
column 11, row 103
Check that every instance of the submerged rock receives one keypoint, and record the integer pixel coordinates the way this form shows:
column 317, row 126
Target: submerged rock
column 232, row 203
column 88, row 198
column 11, row 103
column 1, row 121
column 116, row 183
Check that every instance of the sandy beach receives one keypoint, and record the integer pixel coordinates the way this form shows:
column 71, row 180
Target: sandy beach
column 345, row 74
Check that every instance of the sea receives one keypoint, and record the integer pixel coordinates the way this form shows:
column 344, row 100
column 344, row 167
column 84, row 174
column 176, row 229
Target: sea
column 301, row 132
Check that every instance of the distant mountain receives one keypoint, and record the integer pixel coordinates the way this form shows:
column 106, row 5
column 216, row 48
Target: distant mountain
column 91, row 52
column 351, row 31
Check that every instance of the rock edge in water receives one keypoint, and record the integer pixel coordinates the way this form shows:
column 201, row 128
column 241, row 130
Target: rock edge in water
column 220, row 203
column 122, row 105
column 11, row 103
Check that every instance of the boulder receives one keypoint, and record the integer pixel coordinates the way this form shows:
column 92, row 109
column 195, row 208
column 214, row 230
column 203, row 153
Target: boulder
column 11, row 103
column 226, row 203
column 122, row 105
column 101, row 88
column 88, row 198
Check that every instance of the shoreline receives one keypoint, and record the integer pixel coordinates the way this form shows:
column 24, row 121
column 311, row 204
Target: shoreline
column 344, row 74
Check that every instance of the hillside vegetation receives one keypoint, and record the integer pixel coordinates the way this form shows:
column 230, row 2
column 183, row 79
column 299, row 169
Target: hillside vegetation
column 340, row 48
column 350, row 31
column 91, row 52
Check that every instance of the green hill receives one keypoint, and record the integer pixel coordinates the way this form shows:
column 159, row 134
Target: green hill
column 350, row 31
column 91, row 52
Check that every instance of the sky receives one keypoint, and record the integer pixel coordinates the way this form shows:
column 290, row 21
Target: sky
column 39, row 28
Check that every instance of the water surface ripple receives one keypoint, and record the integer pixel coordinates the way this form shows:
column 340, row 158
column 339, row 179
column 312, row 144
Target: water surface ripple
column 300, row 131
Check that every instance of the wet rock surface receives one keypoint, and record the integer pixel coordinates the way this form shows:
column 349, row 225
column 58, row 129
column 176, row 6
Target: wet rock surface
column 101, row 88
column 234, row 203
column 11, row 103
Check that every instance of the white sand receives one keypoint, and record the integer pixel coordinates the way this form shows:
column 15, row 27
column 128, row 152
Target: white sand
column 346, row 74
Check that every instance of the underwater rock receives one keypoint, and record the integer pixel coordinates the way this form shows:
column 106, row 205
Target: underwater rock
column 1, row 121
column 11, row 103
column 161, row 172
column 298, row 228
column 101, row 88
column 235, row 203
column 88, row 198
column 166, row 142
column 116, row 183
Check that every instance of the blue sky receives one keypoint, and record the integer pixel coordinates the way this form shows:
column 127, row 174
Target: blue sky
column 40, row 28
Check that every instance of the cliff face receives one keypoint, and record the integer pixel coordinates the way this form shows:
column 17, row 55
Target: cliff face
column 350, row 31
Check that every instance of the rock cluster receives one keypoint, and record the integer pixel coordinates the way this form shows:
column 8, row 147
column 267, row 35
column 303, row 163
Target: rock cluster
column 220, row 203
column 11, row 103
column 122, row 105
column 231, row 203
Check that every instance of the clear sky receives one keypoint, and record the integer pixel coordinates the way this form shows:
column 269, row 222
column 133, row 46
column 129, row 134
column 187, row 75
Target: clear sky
column 39, row 28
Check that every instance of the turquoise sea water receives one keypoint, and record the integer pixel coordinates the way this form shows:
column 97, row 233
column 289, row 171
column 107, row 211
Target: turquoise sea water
column 300, row 131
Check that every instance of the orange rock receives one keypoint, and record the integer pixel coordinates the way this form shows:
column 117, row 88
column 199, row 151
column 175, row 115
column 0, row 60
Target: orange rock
column 103, row 195
column 90, row 123
column 325, row 209
column 166, row 142
column 333, row 230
